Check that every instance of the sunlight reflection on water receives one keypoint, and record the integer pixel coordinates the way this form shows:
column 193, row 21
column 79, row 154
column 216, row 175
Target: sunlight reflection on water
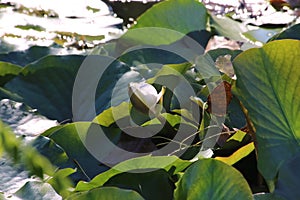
column 83, row 17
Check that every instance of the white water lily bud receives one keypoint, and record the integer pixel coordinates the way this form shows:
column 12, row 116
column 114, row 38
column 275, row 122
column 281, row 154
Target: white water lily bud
column 144, row 97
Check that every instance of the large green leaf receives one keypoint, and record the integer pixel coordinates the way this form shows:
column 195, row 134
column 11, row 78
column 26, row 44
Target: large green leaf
column 47, row 85
column 136, row 165
column 153, row 185
column 111, row 193
column 212, row 179
column 69, row 140
column 168, row 21
column 181, row 15
column 145, row 53
column 268, row 85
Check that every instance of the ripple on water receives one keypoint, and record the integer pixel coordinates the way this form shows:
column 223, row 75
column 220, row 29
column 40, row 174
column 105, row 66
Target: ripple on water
column 24, row 28
column 23, row 121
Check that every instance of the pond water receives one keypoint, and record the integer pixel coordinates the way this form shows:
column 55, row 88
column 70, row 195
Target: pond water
column 33, row 22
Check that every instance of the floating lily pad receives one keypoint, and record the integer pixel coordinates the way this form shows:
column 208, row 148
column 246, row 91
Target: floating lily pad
column 47, row 85
column 146, row 163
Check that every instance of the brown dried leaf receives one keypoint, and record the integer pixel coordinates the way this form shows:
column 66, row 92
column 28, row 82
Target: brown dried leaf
column 219, row 99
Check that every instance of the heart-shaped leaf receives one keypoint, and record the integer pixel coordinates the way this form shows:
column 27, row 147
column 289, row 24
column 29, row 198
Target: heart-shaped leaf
column 268, row 85
column 212, row 179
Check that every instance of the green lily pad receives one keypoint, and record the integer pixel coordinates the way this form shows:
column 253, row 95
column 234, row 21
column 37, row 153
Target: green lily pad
column 167, row 22
column 73, row 146
column 173, row 15
column 153, row 185
column 47, row 85
column 111, row 193
column 212, row 179
column 145, row 163
column 268, row 84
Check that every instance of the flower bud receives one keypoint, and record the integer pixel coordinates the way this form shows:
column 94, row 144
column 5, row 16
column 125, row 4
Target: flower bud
column 144, row 97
